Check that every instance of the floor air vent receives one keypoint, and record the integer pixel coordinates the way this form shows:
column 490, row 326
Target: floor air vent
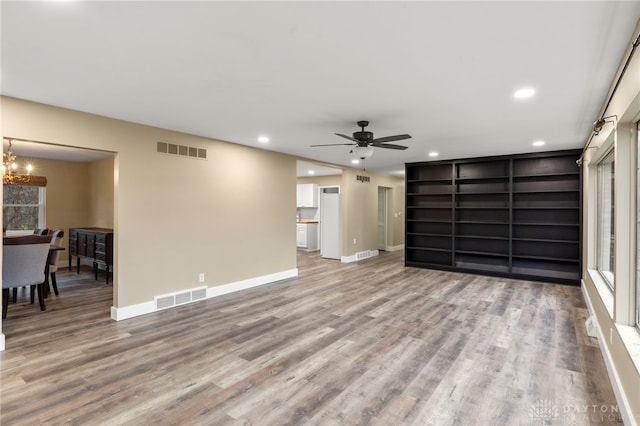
column 363, row 255
column 180, row 298
column 181, row 150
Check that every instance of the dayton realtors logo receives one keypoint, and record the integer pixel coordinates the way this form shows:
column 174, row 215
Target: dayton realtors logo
column 546, row 412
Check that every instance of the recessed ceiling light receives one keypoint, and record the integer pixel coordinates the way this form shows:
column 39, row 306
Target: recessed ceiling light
column 263, row 139
column 311, row 172
column 538, row 143
column 433, row 154
column 355, row 161
column 523, row 93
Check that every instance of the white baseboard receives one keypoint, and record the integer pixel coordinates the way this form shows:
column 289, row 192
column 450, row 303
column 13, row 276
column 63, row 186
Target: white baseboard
column 131, row 311
column 359, row 256
column 1, row 342
column 614, row 378
column 394, row 248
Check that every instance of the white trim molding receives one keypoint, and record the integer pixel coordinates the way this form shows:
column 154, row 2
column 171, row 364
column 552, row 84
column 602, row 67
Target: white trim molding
column 126, row 312
column 614, row 377
column 395, row 248
column 1, row 342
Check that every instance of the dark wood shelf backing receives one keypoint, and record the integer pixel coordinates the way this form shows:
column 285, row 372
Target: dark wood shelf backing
column 440, row 228
column 426, row 256
column 481, row 262
column 482, row 169
column 568, row 199
column 482, row 179
column 429, row 200
column 439, row 242
column 547, row 165
column 435, row 172
column 506, row 215
column 485, row 200
column 482, row 229
column 492, row 215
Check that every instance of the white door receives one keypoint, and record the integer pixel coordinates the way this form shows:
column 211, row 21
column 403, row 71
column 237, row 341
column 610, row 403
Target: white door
column 330, row 229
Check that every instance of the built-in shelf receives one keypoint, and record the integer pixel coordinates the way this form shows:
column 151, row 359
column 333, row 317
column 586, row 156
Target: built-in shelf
column 517, row 216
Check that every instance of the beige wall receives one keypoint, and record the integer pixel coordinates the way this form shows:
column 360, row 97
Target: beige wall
column 100, row 193
column 78, row 194
column 66, row 195
column 231, row 217
column 614, row 311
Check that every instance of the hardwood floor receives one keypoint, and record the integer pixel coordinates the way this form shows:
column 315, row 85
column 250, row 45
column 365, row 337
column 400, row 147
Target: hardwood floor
column 370, row 342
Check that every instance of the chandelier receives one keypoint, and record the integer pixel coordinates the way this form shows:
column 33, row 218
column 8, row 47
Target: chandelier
column 10, row 170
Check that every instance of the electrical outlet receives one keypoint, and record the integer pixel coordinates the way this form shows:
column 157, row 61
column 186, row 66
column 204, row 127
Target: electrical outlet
column 201, row 277
column 354, row 241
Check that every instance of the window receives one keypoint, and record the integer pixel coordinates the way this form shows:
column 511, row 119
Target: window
column 605, row 250
column 23, row 207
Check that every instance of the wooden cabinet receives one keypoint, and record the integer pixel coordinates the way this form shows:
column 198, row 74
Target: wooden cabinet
column 95, row 244
column 517, row 216
column 307, row 195
column 307, row 236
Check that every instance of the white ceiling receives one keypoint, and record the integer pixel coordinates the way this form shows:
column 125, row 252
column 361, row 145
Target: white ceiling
column 305, row 168
column 444, row 72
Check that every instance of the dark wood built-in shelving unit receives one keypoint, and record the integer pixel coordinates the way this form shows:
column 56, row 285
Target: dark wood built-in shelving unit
column 517, row 216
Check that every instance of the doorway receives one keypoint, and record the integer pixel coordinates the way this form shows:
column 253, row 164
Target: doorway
column 384, row 198
column 79, row 191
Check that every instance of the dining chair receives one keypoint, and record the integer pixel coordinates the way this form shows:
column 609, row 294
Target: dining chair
column 56, row 240
column 41, row 231
column 24, row 260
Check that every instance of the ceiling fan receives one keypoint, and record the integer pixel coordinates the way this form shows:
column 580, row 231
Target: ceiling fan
column 364, row 139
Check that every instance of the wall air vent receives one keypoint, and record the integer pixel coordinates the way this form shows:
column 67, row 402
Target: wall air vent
column 180, row 298
column 181, row 150
column 165, row 302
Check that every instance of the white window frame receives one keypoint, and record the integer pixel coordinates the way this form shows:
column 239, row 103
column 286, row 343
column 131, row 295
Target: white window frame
column 637, row 286
column 608, row 276
column 42, row 214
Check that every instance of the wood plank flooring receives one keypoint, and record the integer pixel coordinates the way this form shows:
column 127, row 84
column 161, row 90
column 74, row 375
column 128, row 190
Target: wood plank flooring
column 370, row 342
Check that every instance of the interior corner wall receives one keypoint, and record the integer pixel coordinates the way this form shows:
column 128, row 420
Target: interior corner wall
column 231, row 216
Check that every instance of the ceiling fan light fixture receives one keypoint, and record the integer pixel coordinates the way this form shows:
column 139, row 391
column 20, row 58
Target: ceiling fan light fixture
column 362, row 152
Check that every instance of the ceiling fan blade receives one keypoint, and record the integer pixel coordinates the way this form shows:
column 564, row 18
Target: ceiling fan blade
column 347, row 137
column 388, row 146
column 391, row 138
column 335, row 144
